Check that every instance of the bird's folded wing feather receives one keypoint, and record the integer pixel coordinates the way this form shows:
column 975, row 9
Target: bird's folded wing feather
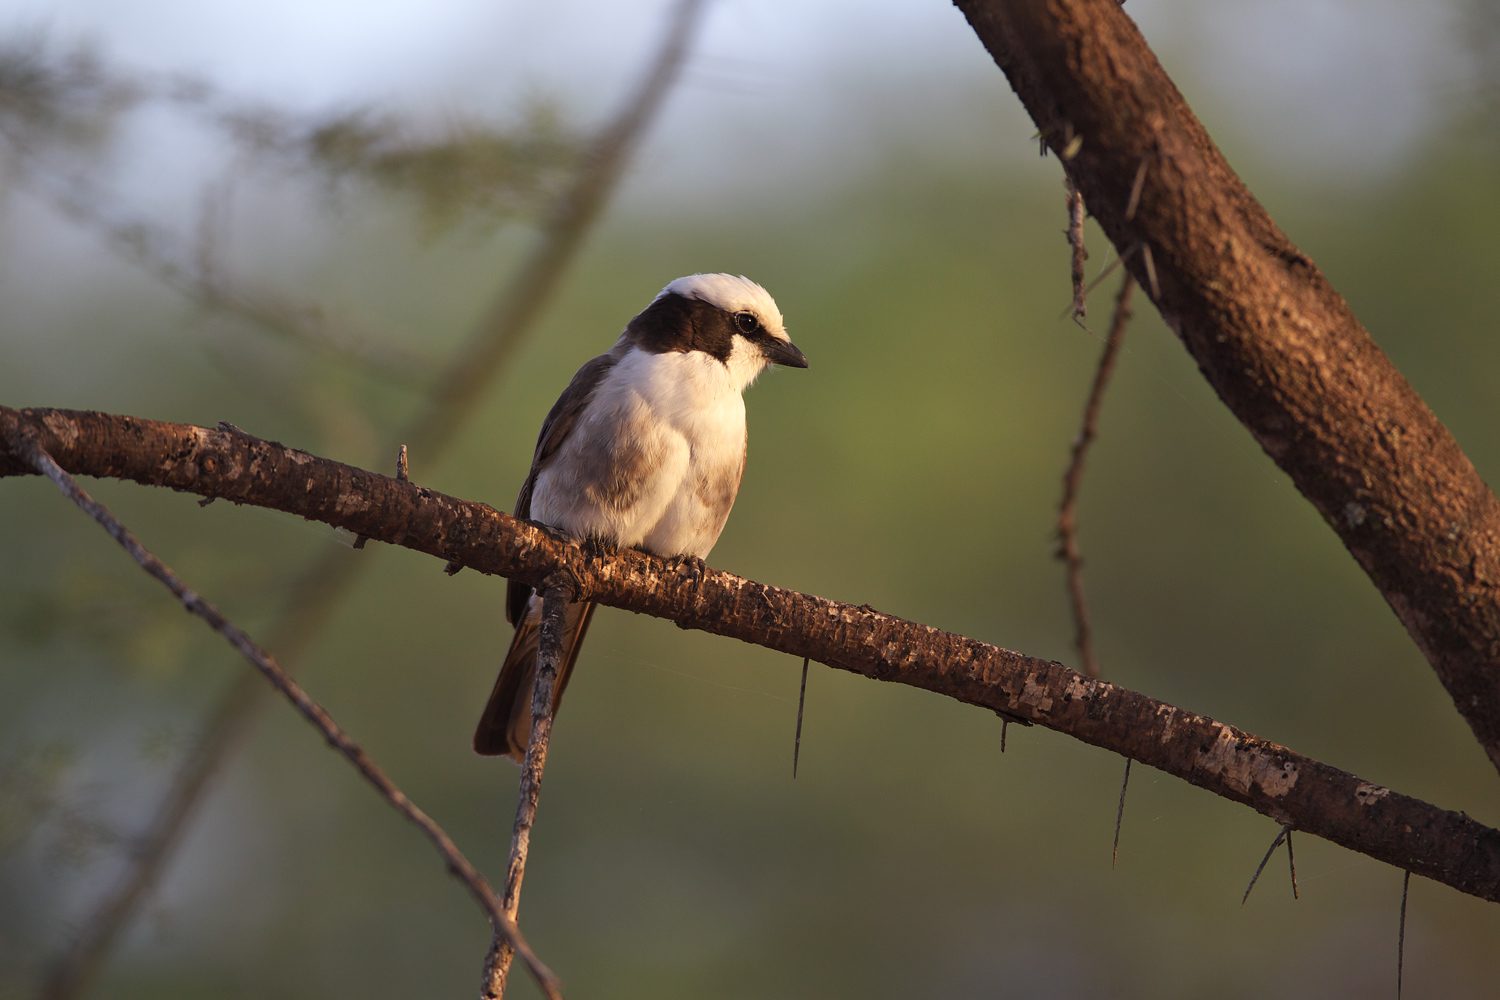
column 561, row 420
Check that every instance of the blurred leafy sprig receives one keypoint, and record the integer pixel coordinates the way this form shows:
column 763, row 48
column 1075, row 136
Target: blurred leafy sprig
column 33, row 795
column 56, row 96
column 459, row 170
column 61, row 109
column 1480, row 26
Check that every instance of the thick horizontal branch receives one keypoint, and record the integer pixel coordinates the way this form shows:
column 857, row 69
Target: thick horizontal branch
column 1291, row 789
column 1277, row 342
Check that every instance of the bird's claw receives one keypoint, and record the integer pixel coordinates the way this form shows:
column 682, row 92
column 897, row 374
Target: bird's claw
column 597, row 547
column 688, row 566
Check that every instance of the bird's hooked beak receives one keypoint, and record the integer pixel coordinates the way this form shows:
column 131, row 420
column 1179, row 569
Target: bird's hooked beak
column 784, row 352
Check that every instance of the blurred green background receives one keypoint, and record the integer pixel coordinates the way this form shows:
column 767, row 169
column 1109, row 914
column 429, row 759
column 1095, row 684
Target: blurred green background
column 878, row 180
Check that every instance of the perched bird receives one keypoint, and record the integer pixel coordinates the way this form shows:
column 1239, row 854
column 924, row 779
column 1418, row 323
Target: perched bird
column 645, row 448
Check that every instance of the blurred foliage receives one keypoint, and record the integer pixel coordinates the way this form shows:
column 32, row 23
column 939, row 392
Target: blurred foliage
column 1482, row 36
column 463, row 172
column 35, row 801
column 67, row 96
column 914, row 466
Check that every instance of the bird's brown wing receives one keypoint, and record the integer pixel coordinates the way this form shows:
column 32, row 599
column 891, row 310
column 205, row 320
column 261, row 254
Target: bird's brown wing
column 561, row 420
column 505, row 725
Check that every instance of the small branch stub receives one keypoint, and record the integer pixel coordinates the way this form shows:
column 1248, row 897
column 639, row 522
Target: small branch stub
column 1079, row 253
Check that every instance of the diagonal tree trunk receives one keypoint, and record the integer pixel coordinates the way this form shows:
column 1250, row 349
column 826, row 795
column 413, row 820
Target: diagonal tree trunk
column 1282, row 349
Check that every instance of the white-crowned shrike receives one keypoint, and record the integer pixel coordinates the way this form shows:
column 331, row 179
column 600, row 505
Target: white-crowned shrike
column 645, row 448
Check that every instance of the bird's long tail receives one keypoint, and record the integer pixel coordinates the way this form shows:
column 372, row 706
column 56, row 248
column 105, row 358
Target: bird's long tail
column 506, row 724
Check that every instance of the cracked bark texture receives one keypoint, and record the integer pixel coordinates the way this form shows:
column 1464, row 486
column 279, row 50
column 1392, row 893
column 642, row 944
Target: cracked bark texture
column 1290, row 788
column 1281, row 348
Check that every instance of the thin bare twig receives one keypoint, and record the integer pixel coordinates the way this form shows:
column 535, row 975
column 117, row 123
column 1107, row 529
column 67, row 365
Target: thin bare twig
column 1120, row 815
column 1080, row 253
column 460, row 866
column 1401, row 937
column 1285, row 832
column 317, row 593
column 549, row 657
column 1067, row 516
column 801, row 700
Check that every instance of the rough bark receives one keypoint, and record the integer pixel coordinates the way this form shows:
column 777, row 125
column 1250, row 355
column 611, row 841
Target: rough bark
column 1279, row 345
column 1288, row 787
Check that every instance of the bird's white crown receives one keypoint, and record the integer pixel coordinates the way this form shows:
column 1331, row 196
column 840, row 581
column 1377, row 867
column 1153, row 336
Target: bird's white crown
column 732, row 294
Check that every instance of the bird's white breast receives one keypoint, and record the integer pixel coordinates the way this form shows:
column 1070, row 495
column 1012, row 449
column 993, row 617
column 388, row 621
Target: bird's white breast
column 656, row 458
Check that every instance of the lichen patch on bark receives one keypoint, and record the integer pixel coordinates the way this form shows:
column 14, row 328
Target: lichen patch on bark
column 1243, row 764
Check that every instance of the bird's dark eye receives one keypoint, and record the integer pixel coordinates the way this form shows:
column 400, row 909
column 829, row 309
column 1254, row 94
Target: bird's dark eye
column 746, row 322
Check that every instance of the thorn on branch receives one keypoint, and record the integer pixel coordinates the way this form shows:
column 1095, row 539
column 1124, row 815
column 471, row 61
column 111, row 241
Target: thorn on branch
column 206, row 501
column 1285, row 832
column 452, row 567
column 801, row 700
column 1120, row 814
column 401, row 474
column 1291, row 861
column 1150, row 263
column 1401, row 937
column 1135, row 190
column 1005, row 720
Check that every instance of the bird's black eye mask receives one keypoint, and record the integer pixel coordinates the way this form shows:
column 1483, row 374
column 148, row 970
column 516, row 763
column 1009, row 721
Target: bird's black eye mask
column 677, row 323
